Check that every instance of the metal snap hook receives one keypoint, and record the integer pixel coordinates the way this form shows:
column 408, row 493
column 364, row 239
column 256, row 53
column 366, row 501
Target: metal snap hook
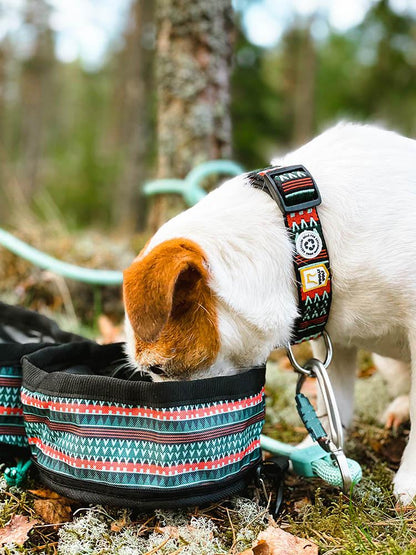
column 332, row 442
column 335, row 430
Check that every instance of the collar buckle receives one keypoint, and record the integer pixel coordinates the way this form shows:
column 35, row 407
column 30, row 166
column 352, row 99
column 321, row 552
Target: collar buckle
column 284, row 183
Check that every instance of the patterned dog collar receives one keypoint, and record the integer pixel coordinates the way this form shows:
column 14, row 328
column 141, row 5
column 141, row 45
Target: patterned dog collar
column 295, row 191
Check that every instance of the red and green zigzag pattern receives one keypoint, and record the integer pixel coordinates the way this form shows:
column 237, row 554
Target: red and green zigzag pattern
column 143, row 447
column 12, row 431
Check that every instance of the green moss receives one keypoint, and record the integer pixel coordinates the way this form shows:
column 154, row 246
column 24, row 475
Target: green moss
column 368, row 523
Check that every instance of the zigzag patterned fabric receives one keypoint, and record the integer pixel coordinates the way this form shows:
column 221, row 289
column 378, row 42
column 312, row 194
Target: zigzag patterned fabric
column 12, row 429
column 142, row 447
column 313, row 277
column 99, row 438
column 103, row 439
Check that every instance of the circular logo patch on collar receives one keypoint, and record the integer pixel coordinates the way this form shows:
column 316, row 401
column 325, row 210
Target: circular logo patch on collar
column 308, row 244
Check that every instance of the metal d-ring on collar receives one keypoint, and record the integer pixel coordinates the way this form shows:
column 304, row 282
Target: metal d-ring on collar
column 334, row 439
column 302, row 369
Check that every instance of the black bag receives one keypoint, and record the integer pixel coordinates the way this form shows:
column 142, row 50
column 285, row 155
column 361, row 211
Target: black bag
column 21, row 332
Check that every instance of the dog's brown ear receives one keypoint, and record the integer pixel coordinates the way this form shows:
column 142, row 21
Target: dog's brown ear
column 161, row 284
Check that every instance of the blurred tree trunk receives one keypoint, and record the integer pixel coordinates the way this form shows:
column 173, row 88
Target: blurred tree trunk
column 135, row 106
column 193, row 91
column 304, row 97
column 36, row 92
column 3, row 80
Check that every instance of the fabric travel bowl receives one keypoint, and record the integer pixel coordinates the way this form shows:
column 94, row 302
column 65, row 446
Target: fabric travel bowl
column 21, row 332
column 105, row 439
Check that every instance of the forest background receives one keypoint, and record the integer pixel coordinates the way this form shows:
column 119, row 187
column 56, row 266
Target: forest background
column 78, row 97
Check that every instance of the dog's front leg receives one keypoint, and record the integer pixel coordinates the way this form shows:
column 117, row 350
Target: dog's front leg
column 342, row 375
column 405, row 479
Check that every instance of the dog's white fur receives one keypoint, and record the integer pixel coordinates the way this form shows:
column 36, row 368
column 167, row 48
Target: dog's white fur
column 367, row 179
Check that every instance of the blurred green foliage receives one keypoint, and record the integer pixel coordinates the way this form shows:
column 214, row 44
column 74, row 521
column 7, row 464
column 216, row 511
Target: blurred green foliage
column 67, row 133
column 366, row 74
column 83, row 167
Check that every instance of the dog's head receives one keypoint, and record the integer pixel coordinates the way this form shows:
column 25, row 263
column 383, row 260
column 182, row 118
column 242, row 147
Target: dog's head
column 171, row 310
column 213, row 292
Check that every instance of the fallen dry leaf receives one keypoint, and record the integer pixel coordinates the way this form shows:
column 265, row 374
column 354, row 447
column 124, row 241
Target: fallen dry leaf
column 389, row 447
column 44, row 493
column 171, row 530
column 280, row 542
column 109, row 333
column 300, row 504
column 404, row 509
column 120, row 523
column 52, row 507
column 392, row 449
column 262, row 548
column 52, row 511
column 17, row 530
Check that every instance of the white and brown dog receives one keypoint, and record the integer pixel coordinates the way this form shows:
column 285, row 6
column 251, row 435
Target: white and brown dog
column 213, row 291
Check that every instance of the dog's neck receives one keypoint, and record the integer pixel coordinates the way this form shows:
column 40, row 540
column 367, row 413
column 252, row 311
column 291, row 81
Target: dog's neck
column 243, row 235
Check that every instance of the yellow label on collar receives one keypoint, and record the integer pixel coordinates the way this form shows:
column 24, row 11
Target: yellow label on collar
column 314, row 277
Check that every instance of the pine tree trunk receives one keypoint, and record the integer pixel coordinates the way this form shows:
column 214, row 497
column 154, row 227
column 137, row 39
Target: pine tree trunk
column 134, row 101
column 193, row 90
column 36, row 94
column 304, row 98
column 3, row 133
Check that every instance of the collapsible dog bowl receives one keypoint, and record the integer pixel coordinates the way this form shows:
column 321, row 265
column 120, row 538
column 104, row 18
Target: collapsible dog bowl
column 21, row 332
column 103, row 439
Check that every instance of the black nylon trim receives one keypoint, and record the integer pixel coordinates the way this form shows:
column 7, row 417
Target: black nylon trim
column 28, row 321
column 8, row 452
column 44, row 372
column 11, row 353
column 24, row 319
column 150, row 498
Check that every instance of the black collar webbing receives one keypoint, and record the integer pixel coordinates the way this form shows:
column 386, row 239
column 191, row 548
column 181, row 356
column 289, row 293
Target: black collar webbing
column 295, row 191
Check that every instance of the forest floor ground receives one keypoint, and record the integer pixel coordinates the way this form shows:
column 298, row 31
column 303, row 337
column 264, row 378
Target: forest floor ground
column 368, row 522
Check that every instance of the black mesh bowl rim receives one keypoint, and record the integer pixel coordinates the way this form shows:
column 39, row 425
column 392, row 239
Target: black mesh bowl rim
column 31, row 327
column 44, row 372
column 22, row 332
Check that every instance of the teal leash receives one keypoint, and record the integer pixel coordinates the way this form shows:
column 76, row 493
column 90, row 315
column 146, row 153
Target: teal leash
column 312, row 461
